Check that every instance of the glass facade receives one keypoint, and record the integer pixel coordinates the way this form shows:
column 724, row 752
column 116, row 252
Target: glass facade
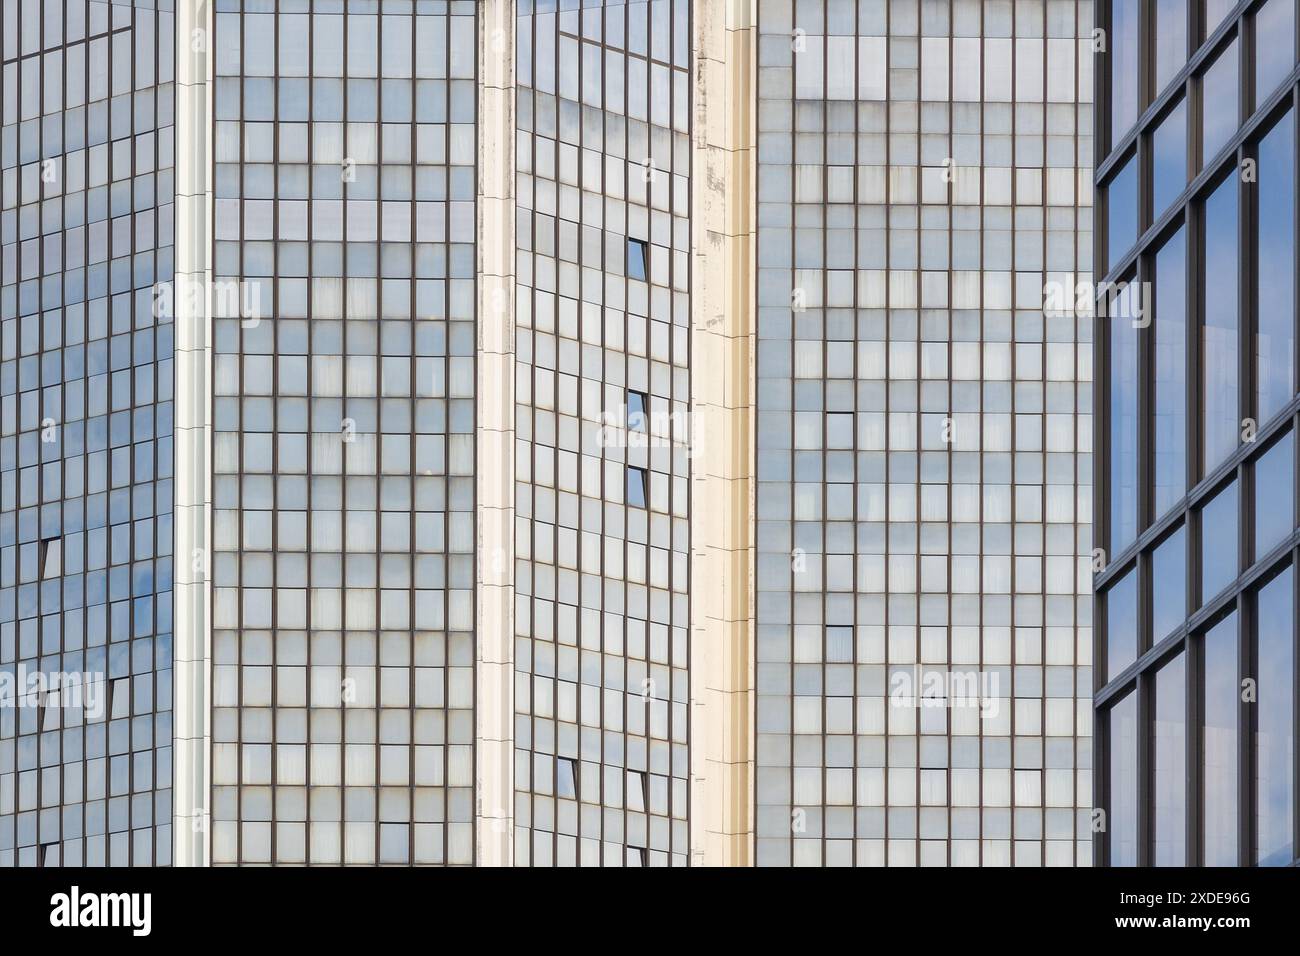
column 1199, row 490
column 343, row 446
column 603, row 398
column 923, row 446
column 917, row 494
column 86, row 168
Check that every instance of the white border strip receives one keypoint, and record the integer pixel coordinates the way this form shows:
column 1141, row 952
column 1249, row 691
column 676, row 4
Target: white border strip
column 495, row 440
column 191, row 795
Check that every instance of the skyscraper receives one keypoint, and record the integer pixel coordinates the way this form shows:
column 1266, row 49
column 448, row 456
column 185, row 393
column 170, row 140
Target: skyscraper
column 624, row 433
column 922, row 481
column 86, row 452
column 1196, row 677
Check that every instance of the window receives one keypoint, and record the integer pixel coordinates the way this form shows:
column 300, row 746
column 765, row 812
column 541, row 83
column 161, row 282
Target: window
column 1123, row 782
column 119, row 698
column 636, row 797
column 1275, row 339
column 1169, row 777
column 637, row 259
column 1168, row 159
column 1219, row 542
column 1274, row 495
column 1215, row 11
column 1124, row 67
column 1219, row 743
column 50, row 711
column 636, row 487
column 1275, row 733
column 1121, row 625
column 1170, row 328
column 1219, row 106
column 1168, row 585
column 1274, row 46
column 1171, row 40
column 51, row 558
column 637, row 417
column 566, row 778
column 1122, row 212
column 1220, row 429
column 1124, row 419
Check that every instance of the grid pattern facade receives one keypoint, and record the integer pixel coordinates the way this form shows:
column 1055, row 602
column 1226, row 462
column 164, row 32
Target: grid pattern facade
column 343, row 450
column 85, row 433
column 923, row 436
column 603, row 391
column 1196, row 416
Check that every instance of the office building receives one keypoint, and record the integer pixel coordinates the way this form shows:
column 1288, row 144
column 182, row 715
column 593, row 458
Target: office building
column 1195, row 505
column 547, row 432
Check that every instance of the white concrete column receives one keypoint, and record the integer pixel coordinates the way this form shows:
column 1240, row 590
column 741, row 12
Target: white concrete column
column 494, row 738
column 723, row 236
column 191, row 754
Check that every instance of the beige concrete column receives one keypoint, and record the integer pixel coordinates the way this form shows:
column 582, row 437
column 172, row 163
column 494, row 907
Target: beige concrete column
column 722, row 465
column 190, row 299
column 494, row 736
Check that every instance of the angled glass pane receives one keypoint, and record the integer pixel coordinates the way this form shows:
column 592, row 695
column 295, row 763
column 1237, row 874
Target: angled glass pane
column 636, row 259
column 636, row 487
